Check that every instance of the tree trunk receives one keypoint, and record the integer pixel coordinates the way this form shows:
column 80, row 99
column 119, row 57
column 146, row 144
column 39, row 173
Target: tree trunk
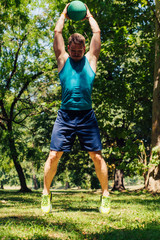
column 118, row 180
column 35, row 182
column 14, row 156
column 67, row 185
column 153, row 177
column 2, row 185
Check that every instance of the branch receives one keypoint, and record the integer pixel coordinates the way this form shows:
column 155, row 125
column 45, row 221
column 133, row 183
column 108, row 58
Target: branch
column 24, row 126
column 3, row 109
column 154, row 12
column 29, row 108
column 19, row 122
column 16, row 99
column 15, row 62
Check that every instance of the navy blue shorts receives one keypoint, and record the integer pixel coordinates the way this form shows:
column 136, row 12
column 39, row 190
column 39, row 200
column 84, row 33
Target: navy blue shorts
column 70, row 123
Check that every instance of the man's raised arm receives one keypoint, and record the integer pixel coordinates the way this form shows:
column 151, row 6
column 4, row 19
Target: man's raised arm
column 58, row 44
column 95, row 44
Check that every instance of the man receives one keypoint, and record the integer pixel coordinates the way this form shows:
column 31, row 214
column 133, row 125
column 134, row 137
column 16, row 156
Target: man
column 76, row 117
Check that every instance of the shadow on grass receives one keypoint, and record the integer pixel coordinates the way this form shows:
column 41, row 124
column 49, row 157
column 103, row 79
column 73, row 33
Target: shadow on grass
column 75, row 204
column 62, row 200
column 79, row 200
column 88, row 204
column 149, row 232
column 140, row 197
column 28, row 223
column 8, row 198
column 137, row 192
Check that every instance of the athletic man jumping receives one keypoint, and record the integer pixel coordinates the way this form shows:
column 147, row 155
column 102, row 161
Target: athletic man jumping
column 77, row 71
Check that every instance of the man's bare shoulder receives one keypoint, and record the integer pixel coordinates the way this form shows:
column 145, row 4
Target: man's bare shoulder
column 61, row 61
column 92, row 61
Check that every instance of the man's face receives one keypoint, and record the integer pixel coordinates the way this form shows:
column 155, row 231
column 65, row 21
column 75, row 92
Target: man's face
column 76, row 51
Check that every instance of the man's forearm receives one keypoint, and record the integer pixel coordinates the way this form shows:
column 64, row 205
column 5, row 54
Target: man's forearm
column 60, row 23
column 94, row 25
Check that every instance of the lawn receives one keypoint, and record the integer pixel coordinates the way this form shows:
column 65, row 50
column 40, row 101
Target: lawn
column 134, row 215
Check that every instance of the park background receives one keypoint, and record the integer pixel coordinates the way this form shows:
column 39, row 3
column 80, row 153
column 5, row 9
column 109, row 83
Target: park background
column 126, row 92
column 126, row 100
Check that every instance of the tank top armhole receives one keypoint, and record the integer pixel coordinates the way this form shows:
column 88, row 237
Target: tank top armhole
column 63, row 66
column 90, row 66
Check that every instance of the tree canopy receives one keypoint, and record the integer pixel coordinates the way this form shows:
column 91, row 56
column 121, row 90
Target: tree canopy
column 30, row 90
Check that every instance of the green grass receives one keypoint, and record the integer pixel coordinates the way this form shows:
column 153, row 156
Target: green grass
column 134, row 216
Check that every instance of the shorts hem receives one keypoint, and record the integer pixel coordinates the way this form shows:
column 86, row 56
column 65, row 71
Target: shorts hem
column 92, row 150
column 85, row 150
column 56, row 150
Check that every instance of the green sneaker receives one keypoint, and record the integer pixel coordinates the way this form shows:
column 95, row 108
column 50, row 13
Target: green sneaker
column 46, row 205
column 105, row 205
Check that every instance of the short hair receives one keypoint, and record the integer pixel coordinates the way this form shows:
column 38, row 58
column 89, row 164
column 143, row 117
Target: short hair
column 76, row 38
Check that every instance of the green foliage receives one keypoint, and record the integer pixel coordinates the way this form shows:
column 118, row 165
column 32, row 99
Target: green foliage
column 122, row 94
column 26, row 73
column 30, row 93
column 155, row 160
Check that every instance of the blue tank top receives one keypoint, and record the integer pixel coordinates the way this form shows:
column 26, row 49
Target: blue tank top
column 76, row 81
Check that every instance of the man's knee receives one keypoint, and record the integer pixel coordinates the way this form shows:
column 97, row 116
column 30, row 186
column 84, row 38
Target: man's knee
column 96, row 157
column 54, row 157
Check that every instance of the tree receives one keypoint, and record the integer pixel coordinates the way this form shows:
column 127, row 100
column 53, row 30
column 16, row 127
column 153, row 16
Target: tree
column 23, row 62
column 118, row 180
column 153, row 177
column 29, row 87
column 124, row 92
column 8, row 71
